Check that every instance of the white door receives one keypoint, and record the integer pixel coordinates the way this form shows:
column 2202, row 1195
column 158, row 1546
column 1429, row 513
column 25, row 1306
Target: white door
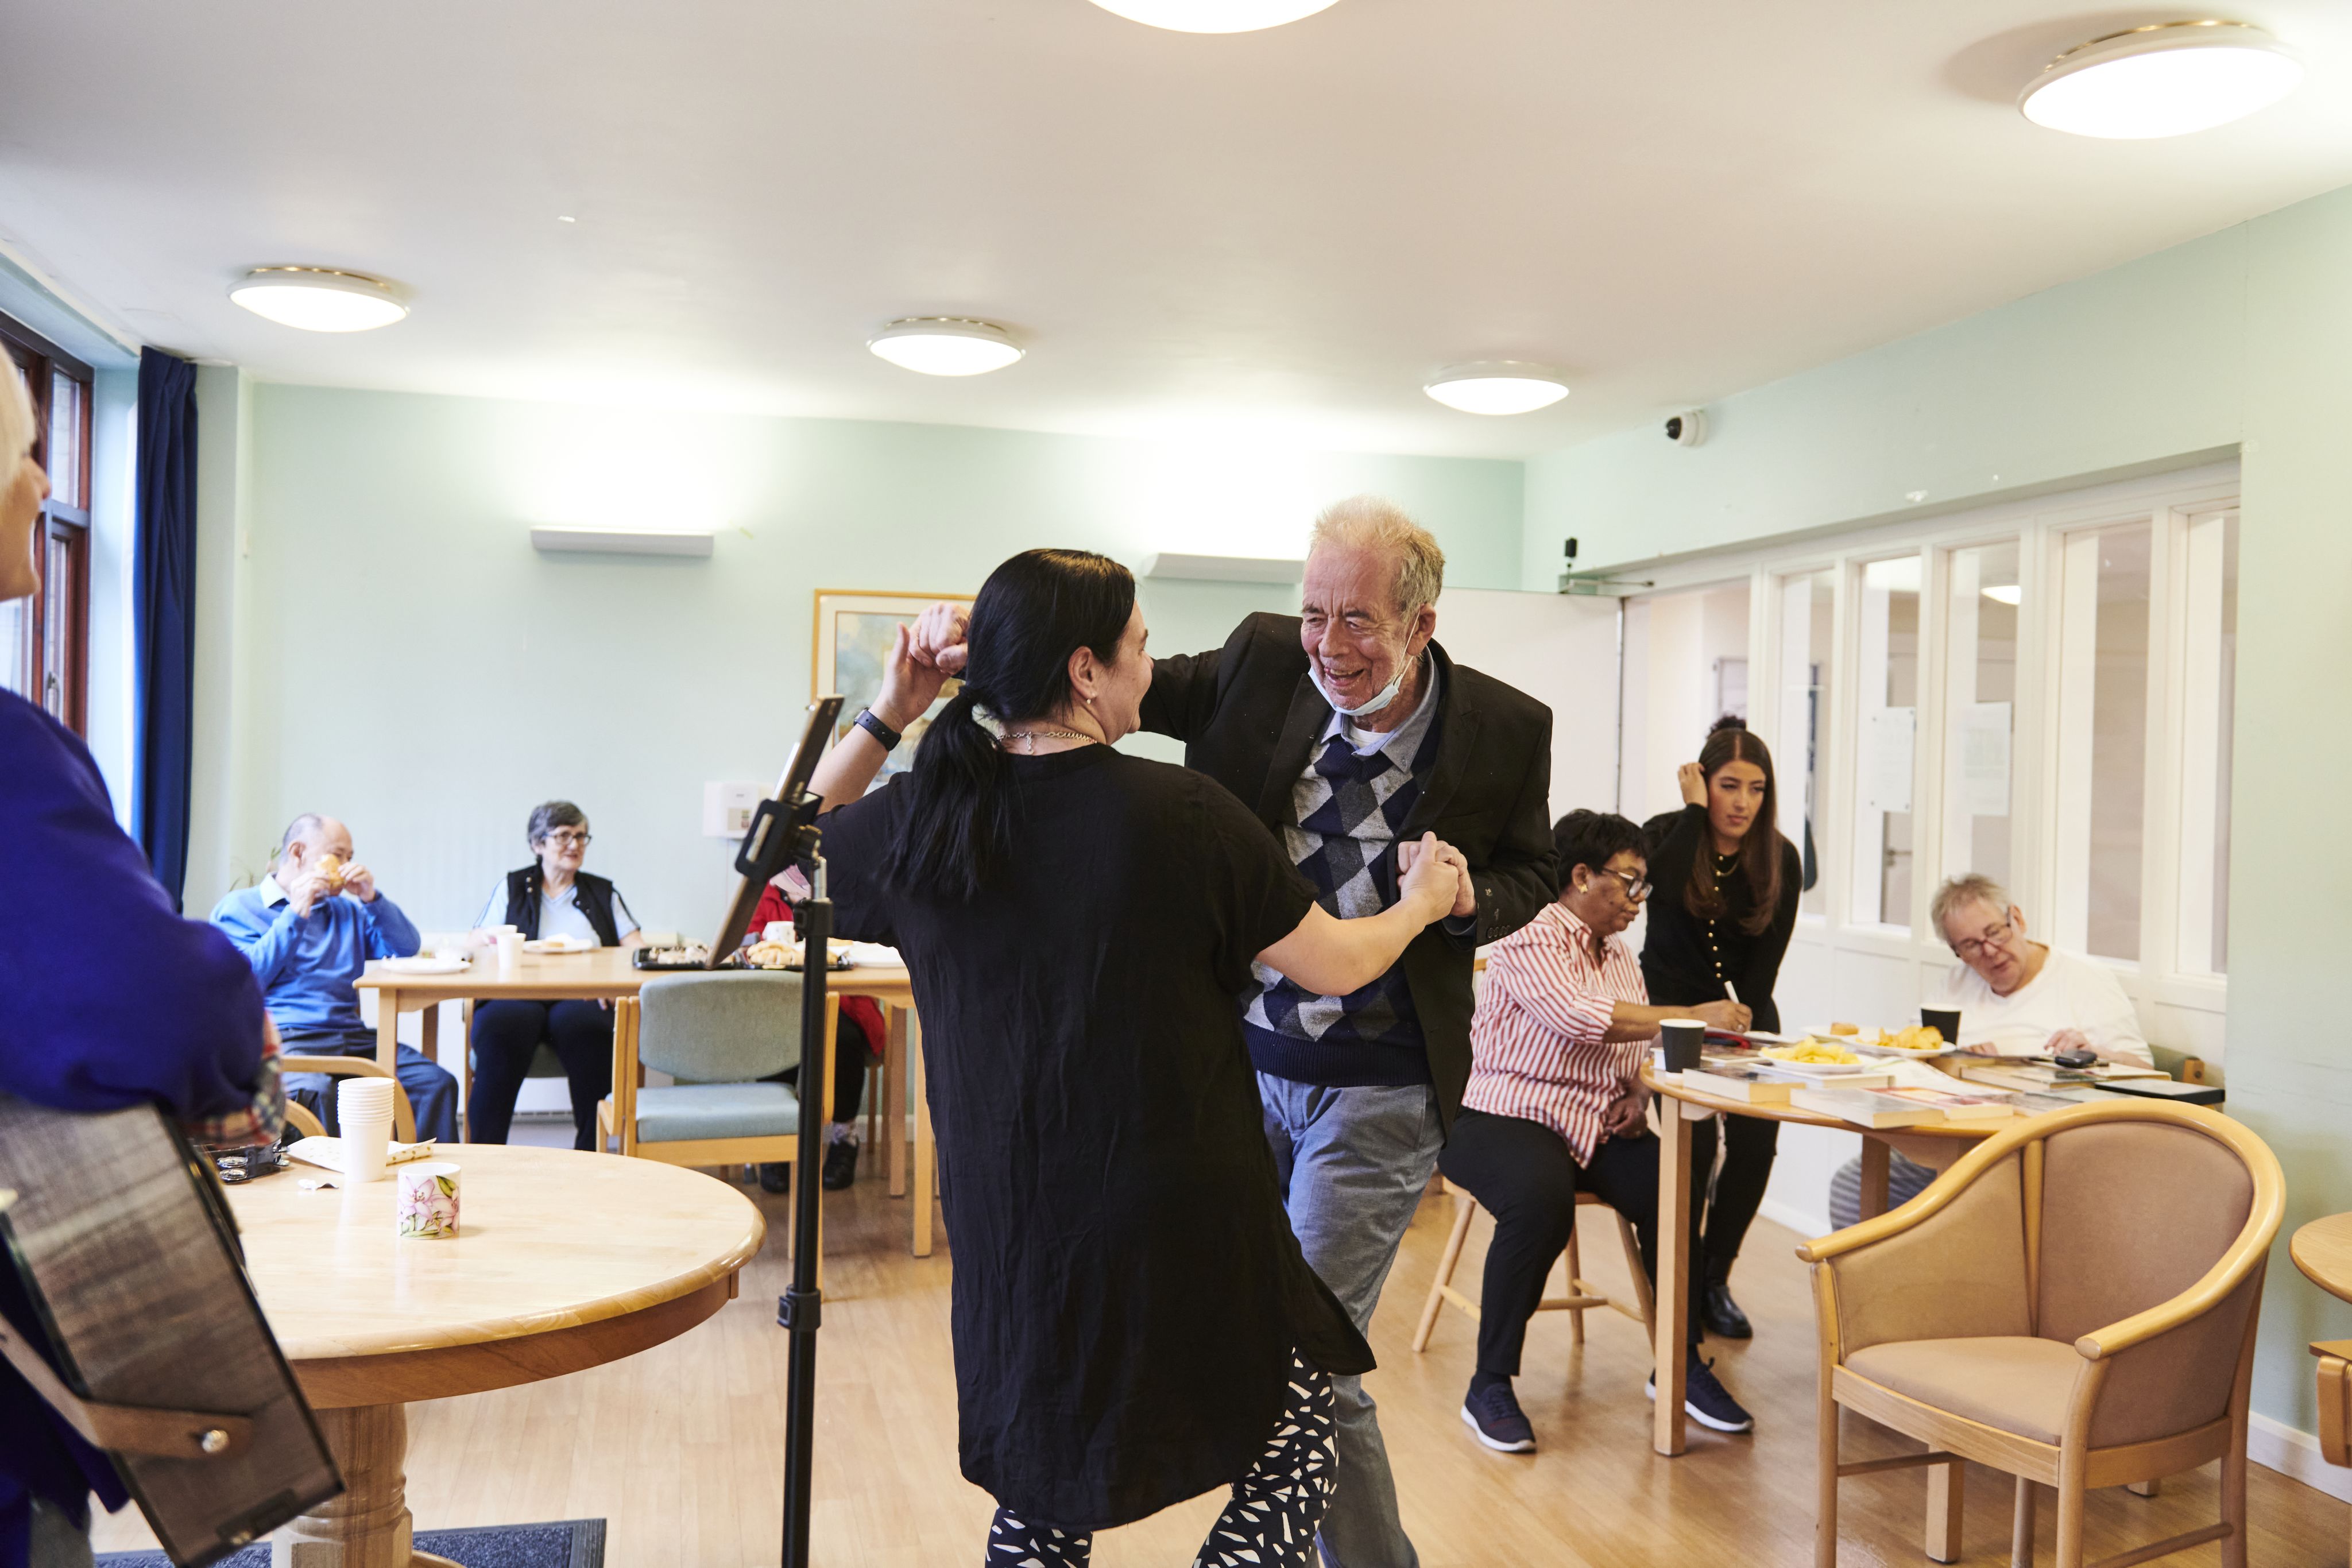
column 1561, row 650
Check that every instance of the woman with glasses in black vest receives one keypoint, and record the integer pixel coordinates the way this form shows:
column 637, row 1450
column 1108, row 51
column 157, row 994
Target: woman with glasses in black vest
column 550, row 898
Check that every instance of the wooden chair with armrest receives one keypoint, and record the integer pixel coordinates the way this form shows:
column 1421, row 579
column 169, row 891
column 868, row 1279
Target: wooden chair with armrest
column 2074, row 1301
column 403, row 1116
column 1582, row 1295
column 301, row 1123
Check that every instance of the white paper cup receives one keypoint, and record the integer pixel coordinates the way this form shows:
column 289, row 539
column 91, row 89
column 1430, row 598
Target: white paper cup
column 510, row 948
column 424, row 1207
column 363, row 1122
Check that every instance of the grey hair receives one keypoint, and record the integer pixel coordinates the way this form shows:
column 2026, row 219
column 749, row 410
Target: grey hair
column 18, row 427
column 550, row 815
column 1970, row 887
column 1381, row 527
column 301, row 828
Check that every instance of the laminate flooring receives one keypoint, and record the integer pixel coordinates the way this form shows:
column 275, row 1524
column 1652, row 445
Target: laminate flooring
column 680, row 1449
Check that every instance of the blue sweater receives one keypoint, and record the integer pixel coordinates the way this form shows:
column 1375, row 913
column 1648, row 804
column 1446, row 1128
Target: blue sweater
column 108, row 998
column 306, row 964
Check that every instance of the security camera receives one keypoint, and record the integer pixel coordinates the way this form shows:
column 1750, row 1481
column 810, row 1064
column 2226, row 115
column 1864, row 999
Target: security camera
column 1688, row 429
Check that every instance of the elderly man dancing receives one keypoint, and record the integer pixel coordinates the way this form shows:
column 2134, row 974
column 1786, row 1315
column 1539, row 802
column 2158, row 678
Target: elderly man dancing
column 1351, row 733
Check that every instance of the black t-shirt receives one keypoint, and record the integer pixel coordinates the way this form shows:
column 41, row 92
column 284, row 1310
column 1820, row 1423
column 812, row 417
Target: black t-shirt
column 1127, row 1292
column 1685, row 959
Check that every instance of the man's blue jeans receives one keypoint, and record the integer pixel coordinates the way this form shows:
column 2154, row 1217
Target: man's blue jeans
column 431, row 1091
column 1353, row 1163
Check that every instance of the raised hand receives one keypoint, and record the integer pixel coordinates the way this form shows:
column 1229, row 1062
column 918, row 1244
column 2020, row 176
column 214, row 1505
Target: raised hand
column 1693, row 779
column 939, row 637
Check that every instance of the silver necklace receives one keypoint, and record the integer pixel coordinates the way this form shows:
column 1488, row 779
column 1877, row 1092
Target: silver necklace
column 1034, row 735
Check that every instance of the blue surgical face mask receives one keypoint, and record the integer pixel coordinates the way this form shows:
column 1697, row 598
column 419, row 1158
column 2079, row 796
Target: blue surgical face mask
column 1387, row 693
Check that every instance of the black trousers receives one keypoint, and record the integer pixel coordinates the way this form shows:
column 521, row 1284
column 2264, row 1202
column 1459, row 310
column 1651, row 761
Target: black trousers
column 1528, row 1179
column 1749, row 1144
column 506, row 1035
column 851, row 1051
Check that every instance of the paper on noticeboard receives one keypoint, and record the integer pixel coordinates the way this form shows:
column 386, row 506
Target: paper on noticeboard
column 1984, row 744
column 1888, row 735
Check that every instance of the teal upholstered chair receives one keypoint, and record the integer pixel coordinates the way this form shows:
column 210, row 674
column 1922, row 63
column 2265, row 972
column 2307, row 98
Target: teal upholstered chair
column 718, row 1035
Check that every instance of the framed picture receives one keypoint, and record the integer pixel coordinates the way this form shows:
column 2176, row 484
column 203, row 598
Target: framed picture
column 853, row 633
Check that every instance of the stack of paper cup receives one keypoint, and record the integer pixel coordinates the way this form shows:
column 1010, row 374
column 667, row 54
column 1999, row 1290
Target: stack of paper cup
column 363, row 1114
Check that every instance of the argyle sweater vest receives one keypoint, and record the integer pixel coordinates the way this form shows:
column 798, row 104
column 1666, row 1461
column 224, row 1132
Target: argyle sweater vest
column 1349, row 811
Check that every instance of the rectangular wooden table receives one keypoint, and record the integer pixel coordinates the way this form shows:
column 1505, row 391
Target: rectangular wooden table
column 604, row 973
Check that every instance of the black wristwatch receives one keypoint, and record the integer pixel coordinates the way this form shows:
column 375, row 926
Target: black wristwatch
column 881, row 732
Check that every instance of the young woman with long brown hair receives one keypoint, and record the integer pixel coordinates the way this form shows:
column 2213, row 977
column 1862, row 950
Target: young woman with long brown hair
column 1728, row 886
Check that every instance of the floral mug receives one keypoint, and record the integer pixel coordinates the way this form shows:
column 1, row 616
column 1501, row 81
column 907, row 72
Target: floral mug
column 425, row 1205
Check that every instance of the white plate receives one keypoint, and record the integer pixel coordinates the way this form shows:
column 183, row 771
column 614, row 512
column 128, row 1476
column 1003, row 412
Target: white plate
column 1866, row 1047
column 1813, row 1069
column 424, row 964
column 558, row 945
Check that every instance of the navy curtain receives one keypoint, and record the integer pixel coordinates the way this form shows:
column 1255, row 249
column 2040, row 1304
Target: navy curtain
column 163, row 612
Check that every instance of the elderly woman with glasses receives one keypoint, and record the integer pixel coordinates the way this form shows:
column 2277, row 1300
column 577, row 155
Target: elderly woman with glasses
column 2016, row 997
column 1556, row 1103
column 549, row 898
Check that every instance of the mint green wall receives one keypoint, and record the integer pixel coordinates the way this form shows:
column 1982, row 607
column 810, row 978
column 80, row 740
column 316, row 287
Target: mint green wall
column 2242, row 337
column 393, row 651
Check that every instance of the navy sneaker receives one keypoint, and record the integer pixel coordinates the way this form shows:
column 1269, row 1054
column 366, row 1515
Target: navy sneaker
column 1706, row 1400
column 1492, row 1413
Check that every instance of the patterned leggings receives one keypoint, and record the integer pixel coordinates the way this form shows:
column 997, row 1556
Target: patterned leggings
column 1270, row 1522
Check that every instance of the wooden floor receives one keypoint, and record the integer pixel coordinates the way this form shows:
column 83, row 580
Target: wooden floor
column 680, row 1449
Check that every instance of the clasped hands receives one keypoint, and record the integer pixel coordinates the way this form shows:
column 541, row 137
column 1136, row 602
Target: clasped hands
column 1411, row 853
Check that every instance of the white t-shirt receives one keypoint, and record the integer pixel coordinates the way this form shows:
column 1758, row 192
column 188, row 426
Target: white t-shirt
column 560, row 914
column 2069, row 993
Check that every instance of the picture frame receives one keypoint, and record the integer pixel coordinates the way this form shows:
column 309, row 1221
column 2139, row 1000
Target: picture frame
column 852, row 637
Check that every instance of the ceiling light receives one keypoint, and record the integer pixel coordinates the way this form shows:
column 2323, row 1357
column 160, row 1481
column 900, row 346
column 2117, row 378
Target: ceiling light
column 320, row 298
column 2009, row 593
column 2167, row 80
column 945, row 345
column 1498, row 386
column 1214, row 16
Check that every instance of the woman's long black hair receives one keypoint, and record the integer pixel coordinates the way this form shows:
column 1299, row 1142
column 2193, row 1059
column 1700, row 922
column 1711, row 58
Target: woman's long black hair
column 1033, row 613
column 1760, row 848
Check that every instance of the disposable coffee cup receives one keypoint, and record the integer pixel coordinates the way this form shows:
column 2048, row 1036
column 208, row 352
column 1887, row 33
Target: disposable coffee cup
column 1681, row 1040
column 425, row 1209
column 1945, row 1021
column 510, row 949
column 363, row 1127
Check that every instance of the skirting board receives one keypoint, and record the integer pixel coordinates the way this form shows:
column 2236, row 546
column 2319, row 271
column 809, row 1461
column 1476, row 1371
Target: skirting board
column 2273, row 1444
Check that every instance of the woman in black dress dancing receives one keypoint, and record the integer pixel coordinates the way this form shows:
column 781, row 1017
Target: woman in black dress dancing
column 1133, row 1322
column 1727, row 886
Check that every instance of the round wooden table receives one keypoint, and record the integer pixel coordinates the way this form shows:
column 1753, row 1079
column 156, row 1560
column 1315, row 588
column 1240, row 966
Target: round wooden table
column 562, row 1261
column 1678, row 1108
column 2322, row 1250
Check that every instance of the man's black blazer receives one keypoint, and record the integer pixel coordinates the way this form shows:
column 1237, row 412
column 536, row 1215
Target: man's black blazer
column 1249, row 717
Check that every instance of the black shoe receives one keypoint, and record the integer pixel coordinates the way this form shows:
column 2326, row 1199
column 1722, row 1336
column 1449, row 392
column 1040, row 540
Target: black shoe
column 1493, row 1416
column 840, row 1166
column 776, row 1176
column 1706, row 1400
column 1722, row 1315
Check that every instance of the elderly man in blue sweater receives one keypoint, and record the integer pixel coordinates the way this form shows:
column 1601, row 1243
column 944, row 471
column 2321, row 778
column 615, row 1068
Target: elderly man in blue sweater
column 308, row 928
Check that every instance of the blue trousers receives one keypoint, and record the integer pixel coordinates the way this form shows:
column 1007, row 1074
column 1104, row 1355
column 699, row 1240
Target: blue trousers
column 432, row 1090
column 1353, row 1163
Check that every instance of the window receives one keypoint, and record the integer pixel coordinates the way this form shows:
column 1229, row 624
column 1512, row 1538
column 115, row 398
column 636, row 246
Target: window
column 1983, row 604
column 45, row 641
column 2103, row 708
column 1808, row 627
column 1886, row 750
column 2208, row 683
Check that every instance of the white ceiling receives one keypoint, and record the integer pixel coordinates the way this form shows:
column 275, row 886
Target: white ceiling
column 1272, row 236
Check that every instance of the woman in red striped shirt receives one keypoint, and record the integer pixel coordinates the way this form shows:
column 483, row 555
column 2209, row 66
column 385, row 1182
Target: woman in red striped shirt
column 1556, row 1103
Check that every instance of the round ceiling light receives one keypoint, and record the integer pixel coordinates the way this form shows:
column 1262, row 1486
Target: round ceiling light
column 2167, row 80
column 320, row 298
column 1214, row 16
column 1498, row 386
column 945, row 345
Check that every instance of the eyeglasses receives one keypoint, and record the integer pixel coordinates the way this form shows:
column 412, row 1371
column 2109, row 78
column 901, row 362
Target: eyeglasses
column 1637, row 888
column 1969, row 950
column 567, row 840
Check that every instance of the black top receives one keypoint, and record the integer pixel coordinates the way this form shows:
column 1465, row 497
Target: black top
column 1685, row 959
column 1249, row 717
column 1127, row 1292
column 594, row 898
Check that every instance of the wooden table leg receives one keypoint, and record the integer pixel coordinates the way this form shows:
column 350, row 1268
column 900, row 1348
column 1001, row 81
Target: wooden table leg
column 924, row 1151
column 1945, row 1490
column 1673, row 1299
column 1875, row 1165
column 894, row 1098
column 387, row 1029
column 429, row 1027
column 368, row 1526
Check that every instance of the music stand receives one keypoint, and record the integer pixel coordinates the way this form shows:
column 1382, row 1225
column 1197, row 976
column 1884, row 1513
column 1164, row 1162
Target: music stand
column 783, row 830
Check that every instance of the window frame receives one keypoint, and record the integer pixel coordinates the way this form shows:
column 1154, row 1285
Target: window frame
column 41, row 360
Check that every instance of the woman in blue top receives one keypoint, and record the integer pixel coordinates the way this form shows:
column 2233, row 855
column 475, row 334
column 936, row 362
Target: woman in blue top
column 108, row 998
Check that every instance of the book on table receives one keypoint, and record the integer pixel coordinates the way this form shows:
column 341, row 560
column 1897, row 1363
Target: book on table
column 1873, row 1108
column 1958, row 1104
column 1737, row 1081
column 2040, row 1077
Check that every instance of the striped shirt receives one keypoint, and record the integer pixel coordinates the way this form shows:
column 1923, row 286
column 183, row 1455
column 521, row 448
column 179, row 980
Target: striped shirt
column 1539, row 1040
